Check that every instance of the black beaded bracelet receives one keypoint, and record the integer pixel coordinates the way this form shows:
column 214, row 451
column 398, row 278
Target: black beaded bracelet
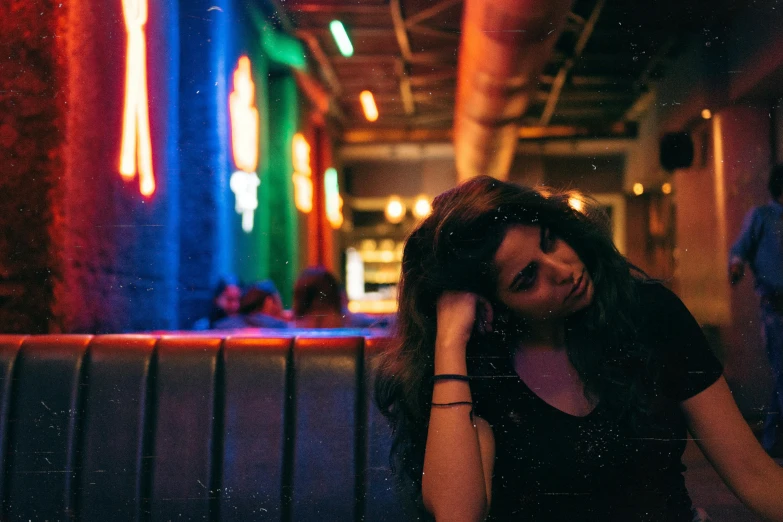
column 450, row 377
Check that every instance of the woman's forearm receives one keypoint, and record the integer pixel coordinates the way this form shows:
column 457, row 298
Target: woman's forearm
column 453, row 483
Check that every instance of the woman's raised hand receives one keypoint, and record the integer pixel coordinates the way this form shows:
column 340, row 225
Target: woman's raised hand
column 459, row 314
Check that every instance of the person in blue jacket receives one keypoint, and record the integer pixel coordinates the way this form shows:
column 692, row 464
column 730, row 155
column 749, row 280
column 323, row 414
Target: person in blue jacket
column 760, row 245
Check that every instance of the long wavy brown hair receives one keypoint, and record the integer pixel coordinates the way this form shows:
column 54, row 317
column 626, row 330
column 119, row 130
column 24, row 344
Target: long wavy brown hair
column 453, row 249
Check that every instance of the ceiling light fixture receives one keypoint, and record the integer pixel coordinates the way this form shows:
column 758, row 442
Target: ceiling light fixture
column 341, row 38
column 368, row 105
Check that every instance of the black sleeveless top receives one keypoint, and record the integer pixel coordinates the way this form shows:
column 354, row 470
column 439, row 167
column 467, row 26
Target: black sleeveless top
column 552, row 466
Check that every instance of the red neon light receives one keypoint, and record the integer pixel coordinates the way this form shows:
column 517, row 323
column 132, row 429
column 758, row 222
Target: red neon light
column 136, row 142
column 244, row 118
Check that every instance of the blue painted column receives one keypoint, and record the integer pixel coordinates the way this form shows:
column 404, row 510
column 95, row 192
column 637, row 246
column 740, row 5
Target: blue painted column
column 207, row 34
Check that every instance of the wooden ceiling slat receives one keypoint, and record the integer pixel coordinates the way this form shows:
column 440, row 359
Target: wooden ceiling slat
column 430, row 12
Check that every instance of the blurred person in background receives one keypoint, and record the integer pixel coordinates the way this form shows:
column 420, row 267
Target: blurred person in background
column 259, row 307
column 760, row 244
column 225, row 303
column 318, row 301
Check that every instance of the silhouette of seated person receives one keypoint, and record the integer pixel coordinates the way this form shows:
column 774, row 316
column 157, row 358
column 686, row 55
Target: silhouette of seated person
column 317, row 300
column 273, row 306
column 225, row 303
column 254, row 309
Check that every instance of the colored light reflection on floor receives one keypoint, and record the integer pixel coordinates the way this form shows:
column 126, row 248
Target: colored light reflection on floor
column 136, row 142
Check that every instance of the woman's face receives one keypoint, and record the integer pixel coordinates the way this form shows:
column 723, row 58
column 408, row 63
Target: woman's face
column 228, row 300
column 540, row 277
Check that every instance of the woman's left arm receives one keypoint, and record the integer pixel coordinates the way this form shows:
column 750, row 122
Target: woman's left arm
column 717, row 426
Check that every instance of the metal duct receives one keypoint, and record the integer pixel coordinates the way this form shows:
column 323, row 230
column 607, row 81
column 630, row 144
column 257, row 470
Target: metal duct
column 505, row 45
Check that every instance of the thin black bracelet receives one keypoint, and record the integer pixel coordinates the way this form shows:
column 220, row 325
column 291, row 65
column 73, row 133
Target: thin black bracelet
column 458, row 403
column 447, row 404
column 450, row 377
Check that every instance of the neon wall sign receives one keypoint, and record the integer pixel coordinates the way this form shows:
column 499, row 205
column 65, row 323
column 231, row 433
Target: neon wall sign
column 136, row 143
column 244, row 143
column 334, row 203
column 303, row 182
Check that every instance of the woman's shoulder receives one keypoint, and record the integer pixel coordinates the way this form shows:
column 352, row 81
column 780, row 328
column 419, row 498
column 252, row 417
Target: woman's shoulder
column 656, row 298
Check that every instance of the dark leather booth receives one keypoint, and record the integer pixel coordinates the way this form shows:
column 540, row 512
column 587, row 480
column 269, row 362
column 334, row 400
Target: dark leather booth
column 193, row 427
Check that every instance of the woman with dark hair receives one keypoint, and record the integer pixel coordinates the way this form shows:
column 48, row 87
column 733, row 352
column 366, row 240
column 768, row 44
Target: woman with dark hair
column 537, row 375
column 317, row 300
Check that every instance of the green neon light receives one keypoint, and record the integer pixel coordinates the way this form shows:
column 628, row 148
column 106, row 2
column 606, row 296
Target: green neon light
column 341, row 37
column 332, row 195
column 283, row 48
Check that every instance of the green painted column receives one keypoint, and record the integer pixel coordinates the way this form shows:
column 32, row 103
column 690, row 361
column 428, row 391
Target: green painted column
column 279, row 198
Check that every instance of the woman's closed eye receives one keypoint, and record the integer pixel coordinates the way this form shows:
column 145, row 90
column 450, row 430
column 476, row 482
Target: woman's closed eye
column 525, row 278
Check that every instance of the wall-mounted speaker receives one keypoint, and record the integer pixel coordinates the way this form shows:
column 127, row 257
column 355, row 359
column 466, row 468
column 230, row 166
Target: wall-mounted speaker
column 676, row 151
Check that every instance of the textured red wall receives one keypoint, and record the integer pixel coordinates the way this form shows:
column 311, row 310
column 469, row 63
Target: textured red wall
column 33, row 104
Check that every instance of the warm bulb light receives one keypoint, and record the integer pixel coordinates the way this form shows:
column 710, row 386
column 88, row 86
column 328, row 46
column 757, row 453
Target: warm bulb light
column 395, row 210
column 666, row 188
column 706, row 114
column 638, row 189
column 136, row 143
column 341, row 38
column 368, row 105
column 422, row 207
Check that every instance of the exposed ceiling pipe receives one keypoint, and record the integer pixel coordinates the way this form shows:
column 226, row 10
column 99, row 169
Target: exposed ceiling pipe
column 505, row 45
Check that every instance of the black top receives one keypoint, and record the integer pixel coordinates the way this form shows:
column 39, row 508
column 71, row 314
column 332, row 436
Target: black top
column 552, row 466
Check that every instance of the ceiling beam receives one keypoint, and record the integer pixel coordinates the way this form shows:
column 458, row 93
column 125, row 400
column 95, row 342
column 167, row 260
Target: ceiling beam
column 405, row 50
column 406, row 93
column 421, row 58
column 354, row 32
column 429, row 12
column 395, row 135
column 590, row 96
column 327, row 70
column 341, row 8
column 591, row 81
column 526, row 133
column 437, row 33
column 657, row 59
column 562, row 74
column 426, row 79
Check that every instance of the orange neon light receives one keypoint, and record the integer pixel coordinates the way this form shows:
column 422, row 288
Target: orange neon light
column 303, row 183
column 303, row 192
column 368, row 105
column 244, row 118
column 301, row 154
column 136, row 142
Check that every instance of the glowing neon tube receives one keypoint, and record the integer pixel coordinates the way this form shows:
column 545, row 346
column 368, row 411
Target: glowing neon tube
column 136, row 142
column 368, row 105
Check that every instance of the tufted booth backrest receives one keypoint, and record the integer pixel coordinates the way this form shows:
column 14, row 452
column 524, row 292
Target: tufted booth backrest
column 186, row 427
